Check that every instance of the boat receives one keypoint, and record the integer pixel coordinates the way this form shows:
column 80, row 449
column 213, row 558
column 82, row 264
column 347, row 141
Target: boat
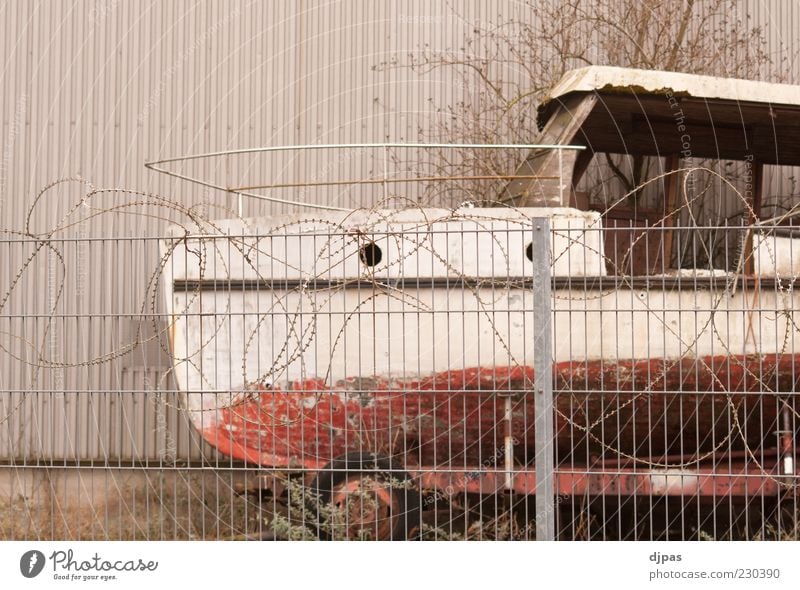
column 338, row 343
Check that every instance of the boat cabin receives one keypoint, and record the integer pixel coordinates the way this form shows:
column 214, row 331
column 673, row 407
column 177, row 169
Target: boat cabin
column 679, row 165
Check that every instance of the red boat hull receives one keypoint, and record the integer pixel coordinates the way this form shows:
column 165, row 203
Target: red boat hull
column 637, row 408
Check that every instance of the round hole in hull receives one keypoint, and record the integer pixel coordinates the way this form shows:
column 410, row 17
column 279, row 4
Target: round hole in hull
column 370, row 254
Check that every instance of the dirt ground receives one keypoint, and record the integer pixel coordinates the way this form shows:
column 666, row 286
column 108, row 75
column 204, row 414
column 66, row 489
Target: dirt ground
column 204, row 504
column 151, row 506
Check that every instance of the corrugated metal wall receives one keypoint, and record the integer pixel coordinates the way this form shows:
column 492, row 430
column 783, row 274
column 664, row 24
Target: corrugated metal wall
column 96, row 88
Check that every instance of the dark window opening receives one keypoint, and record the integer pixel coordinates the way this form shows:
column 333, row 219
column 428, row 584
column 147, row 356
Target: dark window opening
column 370, row 254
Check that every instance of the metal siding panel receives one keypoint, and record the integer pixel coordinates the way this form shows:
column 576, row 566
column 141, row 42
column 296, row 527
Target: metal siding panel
column 98, row 95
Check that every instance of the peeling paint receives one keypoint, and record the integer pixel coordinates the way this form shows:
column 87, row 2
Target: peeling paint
column 674, row 481
column 463, row 411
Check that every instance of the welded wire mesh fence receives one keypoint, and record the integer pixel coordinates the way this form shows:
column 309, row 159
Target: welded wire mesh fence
column 479, row 371
column 373, row 375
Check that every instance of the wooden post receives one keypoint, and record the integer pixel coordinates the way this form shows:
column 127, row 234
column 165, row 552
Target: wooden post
column 670, row 198
column 757, row 178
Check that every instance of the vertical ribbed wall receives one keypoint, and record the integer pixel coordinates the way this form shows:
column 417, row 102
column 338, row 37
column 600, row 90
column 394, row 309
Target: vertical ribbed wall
column 93, row 89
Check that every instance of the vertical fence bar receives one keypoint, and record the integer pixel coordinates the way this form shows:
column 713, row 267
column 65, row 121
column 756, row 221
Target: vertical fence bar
column 543, row 381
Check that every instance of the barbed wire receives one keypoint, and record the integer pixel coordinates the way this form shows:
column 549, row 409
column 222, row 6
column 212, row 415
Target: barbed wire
column 191, row 223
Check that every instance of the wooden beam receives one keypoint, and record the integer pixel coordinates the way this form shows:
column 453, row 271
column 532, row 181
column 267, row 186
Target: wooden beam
column 671, row 165
column 561, row 129
column 754, row 197
column 581, row 164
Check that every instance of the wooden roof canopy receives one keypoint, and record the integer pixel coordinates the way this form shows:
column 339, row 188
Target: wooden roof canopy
column 644, row 112
column 652, row 113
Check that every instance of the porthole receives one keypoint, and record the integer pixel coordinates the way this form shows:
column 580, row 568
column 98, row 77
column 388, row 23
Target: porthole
column 529, row 251
column 370, row 254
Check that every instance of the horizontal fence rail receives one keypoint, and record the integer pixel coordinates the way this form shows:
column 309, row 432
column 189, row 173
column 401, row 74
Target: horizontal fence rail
column 389, row 377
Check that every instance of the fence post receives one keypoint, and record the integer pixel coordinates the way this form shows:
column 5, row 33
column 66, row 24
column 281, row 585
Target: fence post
column 543, row 381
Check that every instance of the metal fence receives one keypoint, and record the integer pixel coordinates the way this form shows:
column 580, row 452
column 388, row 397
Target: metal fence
column 478, row 373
